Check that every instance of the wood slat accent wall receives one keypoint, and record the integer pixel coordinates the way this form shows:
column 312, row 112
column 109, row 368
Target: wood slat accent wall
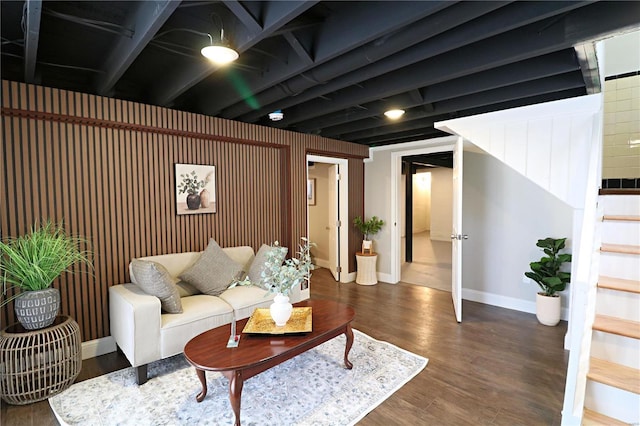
column 106, row 168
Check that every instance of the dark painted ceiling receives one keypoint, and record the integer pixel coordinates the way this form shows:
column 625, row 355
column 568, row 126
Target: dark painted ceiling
column 332, row 67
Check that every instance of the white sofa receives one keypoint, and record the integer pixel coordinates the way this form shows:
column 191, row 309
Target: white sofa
column 145, row 334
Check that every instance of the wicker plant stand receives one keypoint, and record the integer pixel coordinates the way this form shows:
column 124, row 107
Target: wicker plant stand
column 37, row 364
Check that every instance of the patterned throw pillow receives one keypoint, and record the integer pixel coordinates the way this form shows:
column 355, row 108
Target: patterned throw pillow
column 213, row 272
column 259, row 264
column 154, row 279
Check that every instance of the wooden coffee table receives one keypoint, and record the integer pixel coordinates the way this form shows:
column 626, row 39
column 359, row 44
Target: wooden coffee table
column 257, row 353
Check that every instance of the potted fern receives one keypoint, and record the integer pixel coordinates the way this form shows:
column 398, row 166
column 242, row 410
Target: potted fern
column 547, row 274
column 368, row 228
column 30, row 263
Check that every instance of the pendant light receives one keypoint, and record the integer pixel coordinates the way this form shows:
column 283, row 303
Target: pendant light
column 219, row 53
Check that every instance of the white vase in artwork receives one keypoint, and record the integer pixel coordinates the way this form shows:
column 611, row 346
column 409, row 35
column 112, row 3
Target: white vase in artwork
column 281, row 310
column 204, row 198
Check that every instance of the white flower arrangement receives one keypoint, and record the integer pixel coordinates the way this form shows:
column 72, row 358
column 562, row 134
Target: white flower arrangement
column 280, row 277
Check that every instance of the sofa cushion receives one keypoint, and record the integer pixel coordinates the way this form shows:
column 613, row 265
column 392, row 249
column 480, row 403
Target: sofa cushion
column 185, row 289
column 154, row 279
column 258, row 266
column 245, row 299
column 213, row 271
column 201, row 313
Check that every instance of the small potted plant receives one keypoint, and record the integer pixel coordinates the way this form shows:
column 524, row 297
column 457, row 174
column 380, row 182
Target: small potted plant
column 192, row 186
column 368, row 228
column 281, row 277
column 546, row 272
column 30, row 263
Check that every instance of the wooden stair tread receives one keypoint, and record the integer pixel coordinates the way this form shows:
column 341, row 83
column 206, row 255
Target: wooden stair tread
column 616, row 375
column 619, row 284
column 620, row 248
column 619, row 326
column 592, row 418
column 625, row 218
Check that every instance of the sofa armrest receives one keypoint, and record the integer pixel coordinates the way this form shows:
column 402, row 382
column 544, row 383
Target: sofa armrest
column 135, row 320
column 297, row 295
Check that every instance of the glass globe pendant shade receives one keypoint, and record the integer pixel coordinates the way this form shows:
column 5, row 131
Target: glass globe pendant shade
column 220, row 55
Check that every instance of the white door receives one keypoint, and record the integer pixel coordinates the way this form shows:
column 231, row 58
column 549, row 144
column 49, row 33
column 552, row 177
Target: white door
column 334, row 220
column 457, row 236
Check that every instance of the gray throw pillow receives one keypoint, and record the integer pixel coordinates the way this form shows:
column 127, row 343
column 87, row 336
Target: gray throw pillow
column 154, row 279
column 213, row 272
column 259, row 264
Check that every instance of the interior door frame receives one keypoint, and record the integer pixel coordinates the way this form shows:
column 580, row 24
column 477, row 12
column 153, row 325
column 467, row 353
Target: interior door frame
column 343, row 208
column 396, row 170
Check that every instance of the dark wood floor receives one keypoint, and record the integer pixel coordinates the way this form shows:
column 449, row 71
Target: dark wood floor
column 499, row 367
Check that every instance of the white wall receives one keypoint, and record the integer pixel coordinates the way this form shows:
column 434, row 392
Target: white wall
column 319, row 214
column 421, row 201
column 622, row 54
column 441, row 204
column 504, row 215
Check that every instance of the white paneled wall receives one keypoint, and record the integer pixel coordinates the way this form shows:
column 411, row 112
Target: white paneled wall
column 548, row 143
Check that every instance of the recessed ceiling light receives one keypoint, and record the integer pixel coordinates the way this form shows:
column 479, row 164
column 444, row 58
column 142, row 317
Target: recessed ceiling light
column 394, row 114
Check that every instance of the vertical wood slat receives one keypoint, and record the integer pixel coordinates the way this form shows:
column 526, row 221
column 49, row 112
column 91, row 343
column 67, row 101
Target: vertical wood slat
column 115, row 184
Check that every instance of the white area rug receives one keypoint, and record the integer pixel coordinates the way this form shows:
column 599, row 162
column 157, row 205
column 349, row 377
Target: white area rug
column 313, row 388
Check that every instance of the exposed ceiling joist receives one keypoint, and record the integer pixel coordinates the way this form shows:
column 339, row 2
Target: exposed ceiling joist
column 332, row 67
column 534, row 39
column 146, row 22
column 532, row 69
column 352, row 28
column 427, row 38
column 279, row 13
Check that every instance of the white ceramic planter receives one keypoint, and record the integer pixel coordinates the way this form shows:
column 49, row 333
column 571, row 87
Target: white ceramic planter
column 548, row 309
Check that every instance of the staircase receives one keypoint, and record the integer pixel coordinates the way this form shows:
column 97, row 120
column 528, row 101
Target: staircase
column 613, row 380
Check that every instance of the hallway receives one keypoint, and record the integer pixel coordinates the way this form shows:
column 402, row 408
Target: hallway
column 431, row 266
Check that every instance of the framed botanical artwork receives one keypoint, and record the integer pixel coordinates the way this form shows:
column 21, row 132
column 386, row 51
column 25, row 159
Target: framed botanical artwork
column 311, row 192
column 195, row 188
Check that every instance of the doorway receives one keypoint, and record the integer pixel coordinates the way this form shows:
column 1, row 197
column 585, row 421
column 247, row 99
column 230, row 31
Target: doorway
column 327, row 202
column 427, row 187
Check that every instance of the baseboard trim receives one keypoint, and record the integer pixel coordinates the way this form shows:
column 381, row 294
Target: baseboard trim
column 505, row 302
column 322, row 263
column 385, row 278
column 348, row 277
column 97, row 347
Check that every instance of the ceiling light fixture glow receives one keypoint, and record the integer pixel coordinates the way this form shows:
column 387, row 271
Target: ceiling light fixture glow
column 394, row 114
column 219, row 54
column 276, row 115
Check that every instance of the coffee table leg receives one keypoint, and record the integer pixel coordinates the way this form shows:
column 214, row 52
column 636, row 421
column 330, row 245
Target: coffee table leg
column 349, row 333
column 203, row 381
column 235, row 392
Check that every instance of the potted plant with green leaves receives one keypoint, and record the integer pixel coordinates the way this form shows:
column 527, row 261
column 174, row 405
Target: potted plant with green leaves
column 548, row 275
column 192, row 186
column 369, row 228
column 30, row 263
column 280, row 277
